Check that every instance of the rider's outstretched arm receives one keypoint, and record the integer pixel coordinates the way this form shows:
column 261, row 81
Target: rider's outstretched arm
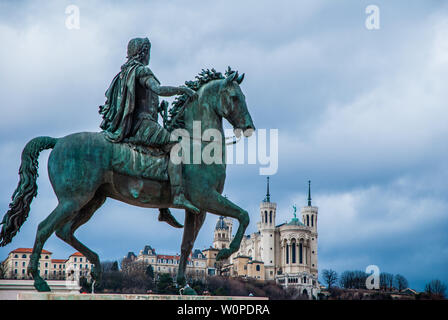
column 166, row 91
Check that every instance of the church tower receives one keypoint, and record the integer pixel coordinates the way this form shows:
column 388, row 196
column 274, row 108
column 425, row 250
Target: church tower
column 309, row 218
column 266, row 226
column 223, row 233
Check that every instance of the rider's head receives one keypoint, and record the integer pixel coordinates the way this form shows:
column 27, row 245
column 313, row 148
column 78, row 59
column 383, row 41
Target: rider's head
column 139, row 49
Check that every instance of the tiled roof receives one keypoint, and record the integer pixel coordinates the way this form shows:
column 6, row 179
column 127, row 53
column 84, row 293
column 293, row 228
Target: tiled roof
column 28, row 250
column 163, row 256
column 58, row 260
column 77, row 254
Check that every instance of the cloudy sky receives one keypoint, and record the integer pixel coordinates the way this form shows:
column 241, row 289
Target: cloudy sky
column 361, row 113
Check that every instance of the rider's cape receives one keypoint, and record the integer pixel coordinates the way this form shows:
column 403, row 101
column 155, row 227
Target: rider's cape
column 118, row 109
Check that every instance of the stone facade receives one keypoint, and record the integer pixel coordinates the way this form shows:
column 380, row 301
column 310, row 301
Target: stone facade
column 286, row 253
column 161, row 263
column 16, row 265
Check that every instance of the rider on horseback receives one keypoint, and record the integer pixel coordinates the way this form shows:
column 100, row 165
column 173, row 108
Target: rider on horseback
column 131, row 111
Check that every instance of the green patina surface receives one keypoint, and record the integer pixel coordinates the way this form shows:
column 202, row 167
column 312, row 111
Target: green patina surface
column 87, row 168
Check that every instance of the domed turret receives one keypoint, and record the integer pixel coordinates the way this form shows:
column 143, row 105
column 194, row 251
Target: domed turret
column 221, row 224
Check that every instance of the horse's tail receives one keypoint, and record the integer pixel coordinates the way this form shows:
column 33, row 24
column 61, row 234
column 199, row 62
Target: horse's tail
column 26, row 189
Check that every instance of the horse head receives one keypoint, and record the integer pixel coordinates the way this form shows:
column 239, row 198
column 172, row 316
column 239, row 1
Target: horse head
column 233, row 105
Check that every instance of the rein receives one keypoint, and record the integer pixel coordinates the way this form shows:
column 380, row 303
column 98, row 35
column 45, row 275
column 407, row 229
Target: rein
column 235, row 141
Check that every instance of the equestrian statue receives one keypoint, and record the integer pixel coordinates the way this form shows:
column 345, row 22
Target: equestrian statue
column 131, row 160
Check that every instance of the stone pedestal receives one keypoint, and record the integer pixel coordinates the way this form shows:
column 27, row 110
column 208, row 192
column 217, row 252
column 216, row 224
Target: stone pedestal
column 99, row 296
column 10, row 289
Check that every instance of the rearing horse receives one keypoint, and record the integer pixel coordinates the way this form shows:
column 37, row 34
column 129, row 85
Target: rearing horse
column 83, row 174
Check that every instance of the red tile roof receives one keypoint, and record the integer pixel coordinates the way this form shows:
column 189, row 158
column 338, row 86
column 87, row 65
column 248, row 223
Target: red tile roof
column 77, row 254
column 162, row 256
column 58, row 260
column 28, row 250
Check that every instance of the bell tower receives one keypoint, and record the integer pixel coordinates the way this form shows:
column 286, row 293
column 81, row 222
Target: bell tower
column 309, row 218
column 266, row 226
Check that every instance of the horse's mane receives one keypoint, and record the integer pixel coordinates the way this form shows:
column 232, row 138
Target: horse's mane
column 176, row 114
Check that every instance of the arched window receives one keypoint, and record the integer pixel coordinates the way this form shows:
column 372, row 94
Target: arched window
column 270, row 216
column 312, row 220
column 24, row 256
column 257, row 267
column 266, row 217
column 287, row 254
column 293, row 251
column 308, row 220
column 300, row 253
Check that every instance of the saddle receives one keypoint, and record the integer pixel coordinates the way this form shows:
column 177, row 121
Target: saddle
column 140, row 161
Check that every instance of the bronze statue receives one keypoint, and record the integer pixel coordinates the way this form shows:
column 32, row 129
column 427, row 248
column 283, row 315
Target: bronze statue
column 129, row 160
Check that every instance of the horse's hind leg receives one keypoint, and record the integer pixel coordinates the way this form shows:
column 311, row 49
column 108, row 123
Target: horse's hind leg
column 66, row 233
column 64, row 212
column 192, row 225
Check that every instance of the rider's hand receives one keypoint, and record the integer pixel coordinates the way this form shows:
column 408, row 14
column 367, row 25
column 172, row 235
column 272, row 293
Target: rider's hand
column 189, row 92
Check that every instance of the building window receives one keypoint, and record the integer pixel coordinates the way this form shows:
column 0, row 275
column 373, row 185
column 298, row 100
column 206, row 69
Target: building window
column 24, row 256
column 23, row 263
column 46, row 257
column 308, row 220
column 270, row 216
column 258, row 267
column 293, row 249
column 16, row 256
column 75, row 259
column 266, row 217
column 287, row 254
column 312, row 220
column 300, row 253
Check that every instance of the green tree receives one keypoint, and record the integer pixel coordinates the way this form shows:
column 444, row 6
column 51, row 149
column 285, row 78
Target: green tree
column 114, row 266
column 150, row 271
column 165, row 284
column 2, row 271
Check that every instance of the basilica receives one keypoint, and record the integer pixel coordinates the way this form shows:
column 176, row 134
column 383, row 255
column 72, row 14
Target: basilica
column 286, row 252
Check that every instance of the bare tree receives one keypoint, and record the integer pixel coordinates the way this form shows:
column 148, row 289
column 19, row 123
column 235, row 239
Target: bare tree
column 436, row 288
column 386, row 281
column 401, row 282
column 330, row 277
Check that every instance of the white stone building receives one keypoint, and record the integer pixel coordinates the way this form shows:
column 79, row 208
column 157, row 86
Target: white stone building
column 16, row 264
column 287, row 251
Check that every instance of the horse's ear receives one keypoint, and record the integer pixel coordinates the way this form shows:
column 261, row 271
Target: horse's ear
column 240, row 79
column 231, row 77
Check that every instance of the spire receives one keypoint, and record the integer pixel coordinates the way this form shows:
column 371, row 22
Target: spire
column 309, row 193
column 268, row 196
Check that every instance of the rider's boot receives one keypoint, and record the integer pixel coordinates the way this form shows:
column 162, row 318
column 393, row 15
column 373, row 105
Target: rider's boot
column 179, row 199
column 165, row 215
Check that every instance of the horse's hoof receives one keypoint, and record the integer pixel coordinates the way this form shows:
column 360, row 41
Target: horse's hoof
column 41, row 286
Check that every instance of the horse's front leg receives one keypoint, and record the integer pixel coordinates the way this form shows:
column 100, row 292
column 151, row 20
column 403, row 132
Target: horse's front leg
column 192, row 225
column 215, row 203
